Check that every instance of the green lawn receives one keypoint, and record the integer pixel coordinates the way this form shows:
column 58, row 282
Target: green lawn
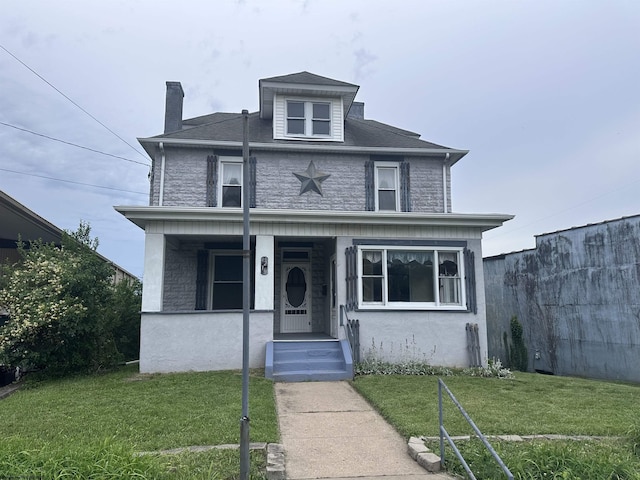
column 528, row 404
column 89, row 427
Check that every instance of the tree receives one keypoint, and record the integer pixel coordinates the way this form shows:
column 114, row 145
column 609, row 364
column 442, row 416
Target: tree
column 59, row 301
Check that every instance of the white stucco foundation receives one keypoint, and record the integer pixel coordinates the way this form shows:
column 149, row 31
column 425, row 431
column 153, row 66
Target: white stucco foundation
column 435, row 338
column 201, row 341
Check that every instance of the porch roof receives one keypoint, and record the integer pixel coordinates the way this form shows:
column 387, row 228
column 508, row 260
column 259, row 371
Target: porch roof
column 142, row 215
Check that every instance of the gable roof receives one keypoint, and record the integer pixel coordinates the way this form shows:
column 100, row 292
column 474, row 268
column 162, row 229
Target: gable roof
column 301, row 84
column 307, row 78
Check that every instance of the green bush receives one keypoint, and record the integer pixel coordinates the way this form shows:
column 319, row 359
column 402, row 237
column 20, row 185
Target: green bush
column 60, row 302
column 519, row 356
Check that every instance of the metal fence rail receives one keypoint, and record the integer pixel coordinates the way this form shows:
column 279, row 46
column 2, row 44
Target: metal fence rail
column 352, row 327
column 444, row 434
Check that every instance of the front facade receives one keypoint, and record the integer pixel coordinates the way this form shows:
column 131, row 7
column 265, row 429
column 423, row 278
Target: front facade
column 349, row 218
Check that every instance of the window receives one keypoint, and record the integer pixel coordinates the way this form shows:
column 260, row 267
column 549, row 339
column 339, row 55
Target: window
column 410, row 277
column 308, row 119
column 231, row 183
column 386, row 181
column 226, row 281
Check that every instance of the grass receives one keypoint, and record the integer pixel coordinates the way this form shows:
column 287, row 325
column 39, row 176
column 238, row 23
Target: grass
column 529, row 404
column 90, row 427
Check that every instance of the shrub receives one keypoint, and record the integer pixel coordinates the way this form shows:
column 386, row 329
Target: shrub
column 494, row 369
column 59, row 302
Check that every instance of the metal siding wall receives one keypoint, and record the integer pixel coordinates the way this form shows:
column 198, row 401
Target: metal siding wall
column 577, row 297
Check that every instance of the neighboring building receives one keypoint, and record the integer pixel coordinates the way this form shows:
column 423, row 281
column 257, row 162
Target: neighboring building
column 18, row 222
column 577, row 297
column 347, row 215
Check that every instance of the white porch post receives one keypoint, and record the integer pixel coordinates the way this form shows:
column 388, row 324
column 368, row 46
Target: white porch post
column 153, row 277
column 264, row 283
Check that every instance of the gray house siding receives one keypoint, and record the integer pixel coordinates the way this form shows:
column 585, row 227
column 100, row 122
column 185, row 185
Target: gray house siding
column 180, row 279
column 278, row 188
column 577, row 296
column 185, row 177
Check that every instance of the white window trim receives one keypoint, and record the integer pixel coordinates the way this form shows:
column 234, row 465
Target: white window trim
column 396, row 167
column 308, row 117
column 221, row 162
column 386, row 305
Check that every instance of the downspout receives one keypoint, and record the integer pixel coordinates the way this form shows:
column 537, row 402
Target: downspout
column 161, row 196
column 444, row 182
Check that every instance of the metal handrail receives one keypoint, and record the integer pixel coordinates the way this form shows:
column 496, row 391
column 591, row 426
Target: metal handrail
column 445, row 434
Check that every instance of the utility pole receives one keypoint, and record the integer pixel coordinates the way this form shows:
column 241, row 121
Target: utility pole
column 246, row 301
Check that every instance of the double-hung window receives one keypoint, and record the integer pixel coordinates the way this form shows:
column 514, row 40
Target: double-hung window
column 386, row 182
column 230, row 192
column 308, row 119
column 410, row 278
column 226, row 281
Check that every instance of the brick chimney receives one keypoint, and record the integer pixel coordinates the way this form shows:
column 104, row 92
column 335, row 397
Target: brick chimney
column 173, row 107
column 356, row 110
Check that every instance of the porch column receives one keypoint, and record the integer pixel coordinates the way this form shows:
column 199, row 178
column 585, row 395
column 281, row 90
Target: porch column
column 265, row 252
column 153, row 277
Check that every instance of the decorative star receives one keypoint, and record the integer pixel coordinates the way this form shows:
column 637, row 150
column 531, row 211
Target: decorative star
column 311, row 179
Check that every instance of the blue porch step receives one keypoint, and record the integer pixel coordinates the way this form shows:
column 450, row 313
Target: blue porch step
column 308, row 360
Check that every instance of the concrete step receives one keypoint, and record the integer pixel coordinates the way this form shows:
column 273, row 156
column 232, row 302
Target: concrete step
column 312, row 376
column 297, row 361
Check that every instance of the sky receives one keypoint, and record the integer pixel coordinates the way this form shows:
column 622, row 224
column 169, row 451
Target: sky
column 545, row 94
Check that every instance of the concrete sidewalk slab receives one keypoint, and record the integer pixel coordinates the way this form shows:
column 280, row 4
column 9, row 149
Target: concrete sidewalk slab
column 329, row 431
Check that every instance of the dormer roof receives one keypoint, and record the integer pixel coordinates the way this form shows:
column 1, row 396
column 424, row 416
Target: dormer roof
column 304, row 84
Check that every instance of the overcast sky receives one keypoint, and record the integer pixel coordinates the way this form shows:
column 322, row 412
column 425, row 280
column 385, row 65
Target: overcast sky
column 544, row 93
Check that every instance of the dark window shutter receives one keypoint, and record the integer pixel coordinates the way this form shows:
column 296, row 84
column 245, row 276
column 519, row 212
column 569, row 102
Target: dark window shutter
column 369, row 187
column 212, row 178
column 470, row 280
column 351, row 256
column 252, row 182
column 202, row 274
column 405, row 191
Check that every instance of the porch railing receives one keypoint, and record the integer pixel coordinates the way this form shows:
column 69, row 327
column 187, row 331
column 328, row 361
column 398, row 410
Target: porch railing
column 352, row 327
column 444, row 434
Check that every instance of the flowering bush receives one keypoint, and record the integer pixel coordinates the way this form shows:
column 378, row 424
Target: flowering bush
column 493, row 369
column 57, row 300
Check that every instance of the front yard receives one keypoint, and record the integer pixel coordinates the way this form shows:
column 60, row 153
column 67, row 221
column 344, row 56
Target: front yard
column 90, row 427
column 526, row 405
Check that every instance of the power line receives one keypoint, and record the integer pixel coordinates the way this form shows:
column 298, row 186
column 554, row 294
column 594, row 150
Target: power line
column 74, row 103
column 73, row 144
column 71, row 181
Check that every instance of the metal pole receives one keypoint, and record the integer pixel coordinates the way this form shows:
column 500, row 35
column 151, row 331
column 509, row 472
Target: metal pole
column 441, row 421
column 246, row 299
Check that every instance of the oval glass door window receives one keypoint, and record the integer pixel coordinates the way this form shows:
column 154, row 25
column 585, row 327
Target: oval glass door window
column 296, row 287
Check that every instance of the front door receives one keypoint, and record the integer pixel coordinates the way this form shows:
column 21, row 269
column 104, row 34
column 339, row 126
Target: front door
column 296, row 298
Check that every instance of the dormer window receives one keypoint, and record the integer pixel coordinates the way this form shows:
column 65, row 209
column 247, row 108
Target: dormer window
column 311, row 118
column 308, row 118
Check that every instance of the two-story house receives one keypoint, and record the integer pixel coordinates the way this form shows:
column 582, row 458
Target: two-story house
column 348, row 217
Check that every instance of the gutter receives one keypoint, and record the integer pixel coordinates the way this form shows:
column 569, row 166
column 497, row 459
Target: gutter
column 444, row 182
column 141, row 215
column 162, row 166
column 455, row 154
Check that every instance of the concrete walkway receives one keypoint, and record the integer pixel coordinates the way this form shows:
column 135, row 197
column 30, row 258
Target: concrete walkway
column 329, row 431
